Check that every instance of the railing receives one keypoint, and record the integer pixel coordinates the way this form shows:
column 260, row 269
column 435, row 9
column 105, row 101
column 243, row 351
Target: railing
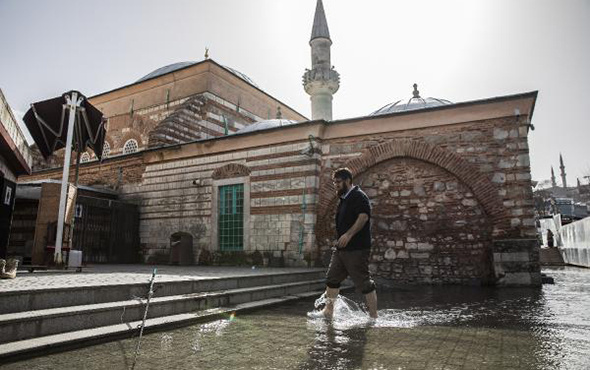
column 575, row 242
column 9, row 122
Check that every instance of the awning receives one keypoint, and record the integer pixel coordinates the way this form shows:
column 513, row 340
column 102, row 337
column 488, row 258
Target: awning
column 47, row 122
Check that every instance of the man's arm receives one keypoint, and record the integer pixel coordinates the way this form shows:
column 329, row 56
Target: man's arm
column 361, row 220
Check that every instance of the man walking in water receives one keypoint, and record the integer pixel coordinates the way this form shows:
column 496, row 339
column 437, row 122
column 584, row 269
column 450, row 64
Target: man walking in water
column 351, row 251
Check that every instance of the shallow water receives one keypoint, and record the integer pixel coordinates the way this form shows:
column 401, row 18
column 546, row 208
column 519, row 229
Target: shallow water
column 418, row 328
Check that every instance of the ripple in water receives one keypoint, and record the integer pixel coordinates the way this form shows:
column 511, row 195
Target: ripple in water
column 349, row 315
column 215, row 328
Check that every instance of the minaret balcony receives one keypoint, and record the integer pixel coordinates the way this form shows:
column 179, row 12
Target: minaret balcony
column 321, row 79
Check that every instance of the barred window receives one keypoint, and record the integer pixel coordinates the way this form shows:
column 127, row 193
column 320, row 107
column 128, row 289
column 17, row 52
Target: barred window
column 106, row 149
column 85, row 157
column 231, row 217
column 130, row 146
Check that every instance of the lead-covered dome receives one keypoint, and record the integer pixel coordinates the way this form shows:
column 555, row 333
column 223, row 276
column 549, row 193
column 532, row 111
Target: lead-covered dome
column 414, row 103
column 266, row 125
column 180, row 65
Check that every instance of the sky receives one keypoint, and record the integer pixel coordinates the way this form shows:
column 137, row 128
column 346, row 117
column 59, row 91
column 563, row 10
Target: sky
column 455, row 50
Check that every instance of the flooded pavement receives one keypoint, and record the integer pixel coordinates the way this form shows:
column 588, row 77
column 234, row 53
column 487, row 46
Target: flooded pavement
column 419, row 328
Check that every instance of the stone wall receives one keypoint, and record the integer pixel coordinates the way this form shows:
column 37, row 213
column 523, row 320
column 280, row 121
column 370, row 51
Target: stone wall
column 408, row 173
column 427, row 225
column 112, row 173
column 178, row 196
column 451, row 192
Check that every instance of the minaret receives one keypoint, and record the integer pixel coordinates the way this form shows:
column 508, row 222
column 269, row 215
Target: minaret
column 553, row 181
column 562, row 167
column 321, row 81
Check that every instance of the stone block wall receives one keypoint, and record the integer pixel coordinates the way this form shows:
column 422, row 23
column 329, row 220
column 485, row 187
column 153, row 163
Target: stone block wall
column 177, row 196
column 452, row 203
column 112, row 173
column 461, row 193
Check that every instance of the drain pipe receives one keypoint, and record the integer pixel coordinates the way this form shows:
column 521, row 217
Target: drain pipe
column 309, row 152
column 302, row 230
column 147, row 306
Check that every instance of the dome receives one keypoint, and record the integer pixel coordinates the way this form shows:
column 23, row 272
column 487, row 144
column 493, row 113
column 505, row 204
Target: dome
column 266, row 125
column 164, row 70
column 241, row 75
column 414, row 103
column 176, row 66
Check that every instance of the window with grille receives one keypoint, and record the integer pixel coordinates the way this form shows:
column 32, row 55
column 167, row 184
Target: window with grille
column 106, row 149
column 231, row 217
column 85, row 157
column 130, row 146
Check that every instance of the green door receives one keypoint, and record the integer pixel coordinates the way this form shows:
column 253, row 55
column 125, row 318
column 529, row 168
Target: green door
column 231, row 217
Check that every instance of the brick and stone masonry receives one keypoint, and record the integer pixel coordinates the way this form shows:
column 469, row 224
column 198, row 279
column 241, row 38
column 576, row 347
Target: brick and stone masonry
column 451, row 192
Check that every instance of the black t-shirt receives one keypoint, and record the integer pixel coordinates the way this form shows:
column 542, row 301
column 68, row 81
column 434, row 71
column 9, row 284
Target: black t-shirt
column 348, row 211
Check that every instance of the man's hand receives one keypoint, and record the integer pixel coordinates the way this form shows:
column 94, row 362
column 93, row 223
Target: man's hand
column 343, row 241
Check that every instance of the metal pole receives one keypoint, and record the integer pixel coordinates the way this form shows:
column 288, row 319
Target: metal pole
column 73, row 219
column 72, row 102
column 79, row 147
column 147, row 306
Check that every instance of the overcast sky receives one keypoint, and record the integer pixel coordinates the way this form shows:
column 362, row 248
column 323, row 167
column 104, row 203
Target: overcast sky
column 456, row 50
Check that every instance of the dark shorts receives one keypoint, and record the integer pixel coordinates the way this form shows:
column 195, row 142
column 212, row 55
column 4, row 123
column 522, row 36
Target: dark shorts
column 350, row 263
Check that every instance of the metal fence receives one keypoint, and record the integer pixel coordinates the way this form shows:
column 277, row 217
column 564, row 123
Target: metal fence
column 107, row 231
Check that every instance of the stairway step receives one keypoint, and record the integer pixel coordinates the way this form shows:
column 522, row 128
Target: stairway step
column 30, row 300
column 39, row 346
column 28, row 324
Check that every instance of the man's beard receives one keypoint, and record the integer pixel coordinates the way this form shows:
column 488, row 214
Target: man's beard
column 343, row 190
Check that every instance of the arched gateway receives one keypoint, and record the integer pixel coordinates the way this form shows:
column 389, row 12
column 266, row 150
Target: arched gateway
column 433, row 214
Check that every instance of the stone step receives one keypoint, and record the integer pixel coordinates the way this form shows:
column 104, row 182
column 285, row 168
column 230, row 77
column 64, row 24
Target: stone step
column 551, row 257
column 39, row 299
column 37, row 323
column 44, row 345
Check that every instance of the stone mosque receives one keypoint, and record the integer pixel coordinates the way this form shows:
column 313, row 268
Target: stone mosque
column 242, row 177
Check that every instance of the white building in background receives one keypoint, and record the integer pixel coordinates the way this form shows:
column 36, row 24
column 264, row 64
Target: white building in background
column 15, row 160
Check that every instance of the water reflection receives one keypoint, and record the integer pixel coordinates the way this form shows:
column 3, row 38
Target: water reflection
column 418, row 328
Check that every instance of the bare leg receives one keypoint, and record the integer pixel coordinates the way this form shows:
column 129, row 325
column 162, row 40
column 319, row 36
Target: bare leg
column 372, row 303
column 331, row 294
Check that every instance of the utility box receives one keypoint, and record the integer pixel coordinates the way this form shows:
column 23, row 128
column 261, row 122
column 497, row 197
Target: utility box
column 75, row 259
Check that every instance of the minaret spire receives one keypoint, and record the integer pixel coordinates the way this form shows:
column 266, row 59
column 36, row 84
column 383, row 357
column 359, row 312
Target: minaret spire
column 321, row 81
column 320, row 25
column 562, row 167
column 553, row 181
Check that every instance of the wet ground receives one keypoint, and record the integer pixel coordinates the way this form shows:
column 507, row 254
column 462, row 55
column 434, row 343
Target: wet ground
column 418, row 328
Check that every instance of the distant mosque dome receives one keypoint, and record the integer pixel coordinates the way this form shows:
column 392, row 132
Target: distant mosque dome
column 176, row 66
column 266, row 125
column 414, row 103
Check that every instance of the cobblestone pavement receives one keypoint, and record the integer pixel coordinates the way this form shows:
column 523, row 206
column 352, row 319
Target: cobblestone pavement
column 126, row 274
column 419, row 328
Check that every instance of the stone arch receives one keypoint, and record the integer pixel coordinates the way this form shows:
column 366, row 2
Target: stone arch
column 230, row 170
column 483, row 189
